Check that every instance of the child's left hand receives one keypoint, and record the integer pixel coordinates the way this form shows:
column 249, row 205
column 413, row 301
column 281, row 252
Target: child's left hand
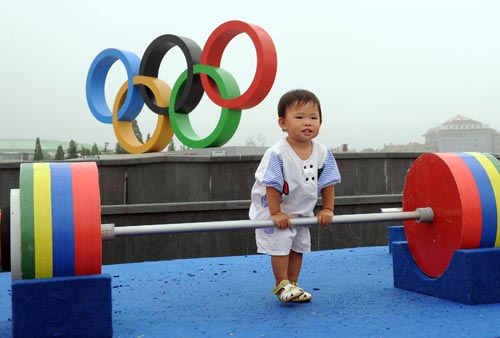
column 325, row 217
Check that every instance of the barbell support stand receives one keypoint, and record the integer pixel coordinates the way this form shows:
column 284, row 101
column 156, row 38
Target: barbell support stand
column 109, row 231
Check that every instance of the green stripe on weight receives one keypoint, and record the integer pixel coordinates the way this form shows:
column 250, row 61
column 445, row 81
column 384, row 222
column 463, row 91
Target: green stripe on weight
column 27, row 221
column 493, row 160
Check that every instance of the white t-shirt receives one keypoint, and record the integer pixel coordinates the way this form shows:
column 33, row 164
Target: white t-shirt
column 299, row 181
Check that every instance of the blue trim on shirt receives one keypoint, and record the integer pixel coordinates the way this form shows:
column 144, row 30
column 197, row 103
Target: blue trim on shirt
column 330, row 173
column 274, row 173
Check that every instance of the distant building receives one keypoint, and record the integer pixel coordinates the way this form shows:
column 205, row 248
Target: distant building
column 17, row 149
column 462, row 134
column 24, row 149
column 412, row 147
column 344, row 148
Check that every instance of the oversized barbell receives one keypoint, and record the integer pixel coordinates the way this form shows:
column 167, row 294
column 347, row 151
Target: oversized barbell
column 450, row 202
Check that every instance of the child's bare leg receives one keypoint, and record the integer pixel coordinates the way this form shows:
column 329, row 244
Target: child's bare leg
column 280, row 267
column 294, row 265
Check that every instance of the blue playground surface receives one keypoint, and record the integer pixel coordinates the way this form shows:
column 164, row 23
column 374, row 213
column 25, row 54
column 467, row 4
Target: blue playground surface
column 353, row 295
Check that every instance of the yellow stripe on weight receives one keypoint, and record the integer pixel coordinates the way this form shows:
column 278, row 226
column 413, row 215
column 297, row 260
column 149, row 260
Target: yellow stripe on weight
column 494, row 177
column 43, row 220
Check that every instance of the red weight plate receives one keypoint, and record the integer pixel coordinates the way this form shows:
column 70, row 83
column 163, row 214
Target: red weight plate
column 444, row 183
column 87, row 218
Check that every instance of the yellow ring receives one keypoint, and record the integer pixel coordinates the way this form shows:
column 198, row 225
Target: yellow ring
column 125, row 132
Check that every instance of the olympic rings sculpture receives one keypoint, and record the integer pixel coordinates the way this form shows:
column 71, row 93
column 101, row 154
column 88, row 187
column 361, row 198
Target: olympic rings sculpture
column 173, row 105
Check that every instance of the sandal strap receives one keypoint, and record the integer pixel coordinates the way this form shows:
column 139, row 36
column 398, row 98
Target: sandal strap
column 305, row 297
column 280, row 286
column 296, row 285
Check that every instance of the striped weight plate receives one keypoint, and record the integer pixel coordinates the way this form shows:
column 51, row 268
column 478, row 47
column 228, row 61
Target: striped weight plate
column 490, row 197
column 486, row 196
column 444, row 183
column 60, row 220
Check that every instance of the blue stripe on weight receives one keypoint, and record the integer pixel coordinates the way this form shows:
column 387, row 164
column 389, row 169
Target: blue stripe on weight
column 488, row 202
column 63, row 239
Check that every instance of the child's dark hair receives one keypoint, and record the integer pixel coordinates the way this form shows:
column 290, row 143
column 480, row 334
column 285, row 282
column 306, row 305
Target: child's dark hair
column 297, row 96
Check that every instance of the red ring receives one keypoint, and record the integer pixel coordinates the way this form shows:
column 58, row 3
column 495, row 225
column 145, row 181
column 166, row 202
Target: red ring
column 265, row 72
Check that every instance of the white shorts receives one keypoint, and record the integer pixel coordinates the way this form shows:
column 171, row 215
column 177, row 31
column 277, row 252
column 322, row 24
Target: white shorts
column 278, row 242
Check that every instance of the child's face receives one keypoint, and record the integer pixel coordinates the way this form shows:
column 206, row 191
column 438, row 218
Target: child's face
column 301, row 122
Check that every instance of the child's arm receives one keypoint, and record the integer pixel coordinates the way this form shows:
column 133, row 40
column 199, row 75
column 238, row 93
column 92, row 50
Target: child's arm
column 325, row 215
column 280, row 219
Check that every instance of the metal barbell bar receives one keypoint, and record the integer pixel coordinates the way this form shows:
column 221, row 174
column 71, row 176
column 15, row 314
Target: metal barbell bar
column 109, row 231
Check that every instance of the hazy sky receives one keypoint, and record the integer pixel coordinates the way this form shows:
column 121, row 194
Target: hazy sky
column 385, row 70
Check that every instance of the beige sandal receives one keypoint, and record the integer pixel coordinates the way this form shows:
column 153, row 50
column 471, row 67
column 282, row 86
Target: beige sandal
column 303, row 298
column 286, row 291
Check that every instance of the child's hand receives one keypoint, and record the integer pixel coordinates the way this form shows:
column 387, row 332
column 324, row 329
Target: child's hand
column 281, row 220
column 325, row 217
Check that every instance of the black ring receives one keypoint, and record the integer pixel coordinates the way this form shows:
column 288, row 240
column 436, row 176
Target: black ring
column 150, row 64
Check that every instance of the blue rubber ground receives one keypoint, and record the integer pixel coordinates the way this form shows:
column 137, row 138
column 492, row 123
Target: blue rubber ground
column 231, row 297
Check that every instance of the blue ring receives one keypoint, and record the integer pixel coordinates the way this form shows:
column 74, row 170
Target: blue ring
column 96, row 80
column 488, row 202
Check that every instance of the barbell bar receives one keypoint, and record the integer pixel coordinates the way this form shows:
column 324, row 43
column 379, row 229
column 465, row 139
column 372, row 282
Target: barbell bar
column 450, row 202
column 109, row 231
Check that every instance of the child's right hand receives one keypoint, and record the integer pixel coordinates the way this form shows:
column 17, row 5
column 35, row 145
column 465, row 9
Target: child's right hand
column 281, row 220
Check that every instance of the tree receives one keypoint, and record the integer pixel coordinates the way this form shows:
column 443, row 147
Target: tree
column 38, row 151
column 137, row 131
column 72, row 151
column 59, row 153
column 119, row 149
column 250, row 142
column 171, row 145
column 95, row 150
column 84, row 151
column 148, row 137
column 261, row 140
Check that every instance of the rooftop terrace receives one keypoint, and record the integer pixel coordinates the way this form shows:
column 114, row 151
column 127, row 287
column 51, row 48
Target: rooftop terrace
column 231, row 297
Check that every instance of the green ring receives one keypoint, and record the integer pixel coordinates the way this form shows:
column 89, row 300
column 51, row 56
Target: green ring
column 229, row 118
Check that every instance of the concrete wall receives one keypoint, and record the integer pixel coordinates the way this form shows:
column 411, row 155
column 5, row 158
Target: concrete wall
column 174, row 179
column 163, row 188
